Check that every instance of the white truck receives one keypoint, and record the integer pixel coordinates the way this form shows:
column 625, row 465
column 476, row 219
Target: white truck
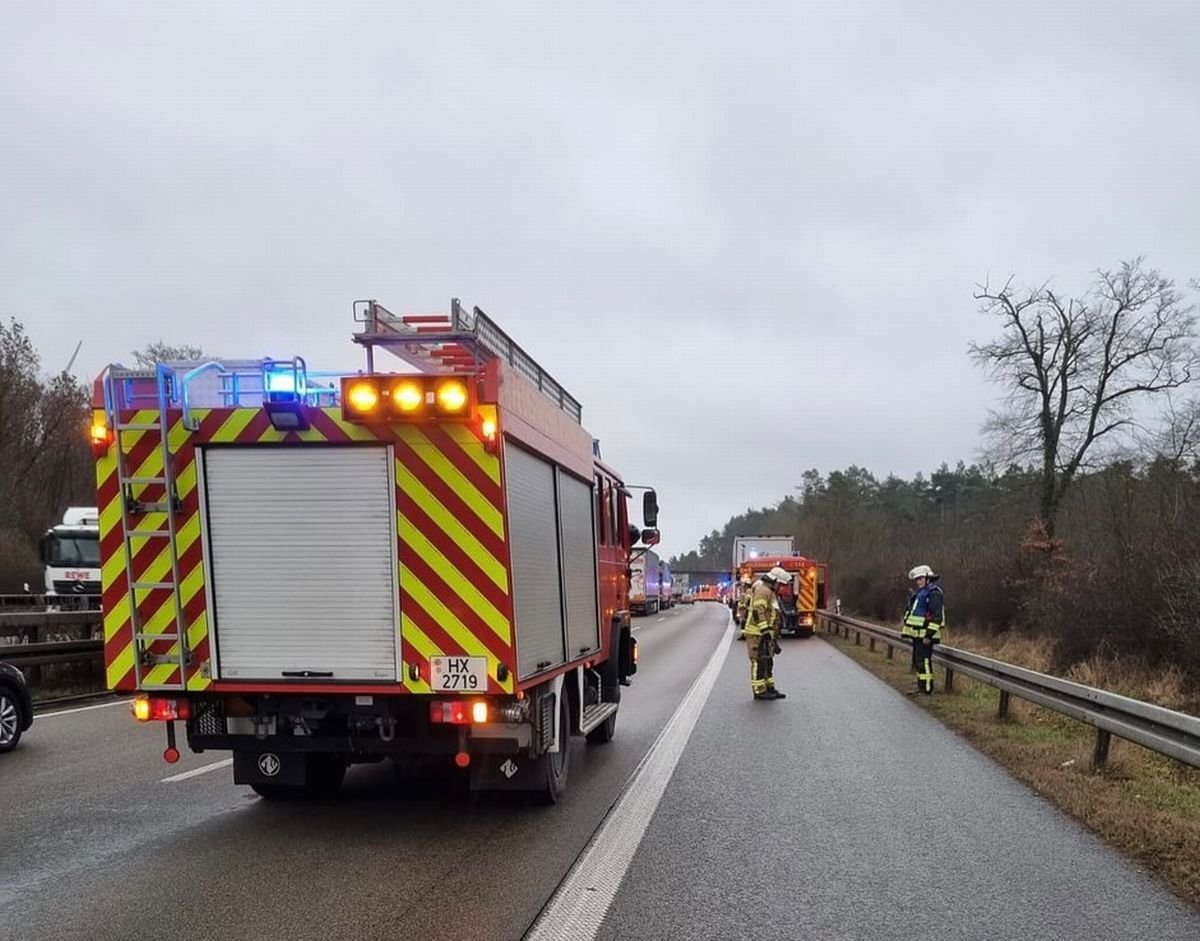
column 746, row 548
column 645, row 584
column 71, row 553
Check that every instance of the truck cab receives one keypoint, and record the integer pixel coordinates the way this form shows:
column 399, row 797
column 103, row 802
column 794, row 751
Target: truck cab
column 70, row 552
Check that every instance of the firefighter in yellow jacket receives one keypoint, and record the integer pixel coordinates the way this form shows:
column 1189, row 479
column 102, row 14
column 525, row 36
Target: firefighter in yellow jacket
column 763, row 619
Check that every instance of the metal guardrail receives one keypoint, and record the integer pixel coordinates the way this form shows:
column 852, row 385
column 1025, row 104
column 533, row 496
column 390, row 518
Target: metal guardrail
column 1175, row 734
column 34, row 639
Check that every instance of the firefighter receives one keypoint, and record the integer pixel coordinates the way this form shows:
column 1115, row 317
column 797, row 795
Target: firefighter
column 743, row 601
column 761, row 630
column 924, row 618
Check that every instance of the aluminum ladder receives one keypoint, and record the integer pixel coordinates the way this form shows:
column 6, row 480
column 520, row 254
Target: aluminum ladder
column 132, row 508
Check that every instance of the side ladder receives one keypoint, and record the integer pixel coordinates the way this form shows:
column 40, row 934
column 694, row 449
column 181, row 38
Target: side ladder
column 174, row 634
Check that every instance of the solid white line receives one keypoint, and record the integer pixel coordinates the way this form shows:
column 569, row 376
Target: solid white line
column 183, row 776
column 578, row 906
column 39, row 716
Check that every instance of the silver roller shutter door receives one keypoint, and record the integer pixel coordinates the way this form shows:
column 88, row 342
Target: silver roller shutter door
column 533, row 551
column 302, row 553
column 579, row 564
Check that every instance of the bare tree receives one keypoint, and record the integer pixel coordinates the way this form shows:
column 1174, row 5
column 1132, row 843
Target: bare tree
column 161, row 352
column 1079, row 369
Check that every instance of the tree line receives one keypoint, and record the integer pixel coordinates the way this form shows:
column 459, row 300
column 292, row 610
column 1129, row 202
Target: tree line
column 1084, row 521
column 45, row 461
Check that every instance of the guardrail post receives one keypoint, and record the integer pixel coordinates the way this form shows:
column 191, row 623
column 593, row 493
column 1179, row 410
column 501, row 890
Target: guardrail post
column 1100, row 752
column 891, row 651
column 1003, row 713
column 871, row 644
column 949, row 680
column 858, row 638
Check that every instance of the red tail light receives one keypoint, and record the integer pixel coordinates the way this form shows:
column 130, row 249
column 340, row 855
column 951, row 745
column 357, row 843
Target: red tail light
column 458, row 712
column 156, row 709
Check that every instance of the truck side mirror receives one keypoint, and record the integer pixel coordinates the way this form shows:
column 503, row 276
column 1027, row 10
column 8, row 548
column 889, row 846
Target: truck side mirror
column 650, row 537
column 650, row 509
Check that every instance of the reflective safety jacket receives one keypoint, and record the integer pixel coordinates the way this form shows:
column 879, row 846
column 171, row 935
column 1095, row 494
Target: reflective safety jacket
column 743, row 603
column 926, row 612
column 764, row 614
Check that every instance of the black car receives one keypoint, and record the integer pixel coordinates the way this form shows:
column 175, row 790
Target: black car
column 16, row 706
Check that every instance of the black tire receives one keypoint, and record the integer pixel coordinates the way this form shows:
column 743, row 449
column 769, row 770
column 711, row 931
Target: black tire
column 555, row 767
column 12, row 720
column 604, row 732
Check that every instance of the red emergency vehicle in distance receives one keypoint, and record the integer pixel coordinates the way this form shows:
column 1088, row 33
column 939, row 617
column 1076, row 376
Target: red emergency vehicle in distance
column 803, row 597
column 312, row 570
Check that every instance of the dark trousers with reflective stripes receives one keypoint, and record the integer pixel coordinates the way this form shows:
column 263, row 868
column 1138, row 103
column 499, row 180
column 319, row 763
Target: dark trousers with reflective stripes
column 762, row 662
column 922, row 664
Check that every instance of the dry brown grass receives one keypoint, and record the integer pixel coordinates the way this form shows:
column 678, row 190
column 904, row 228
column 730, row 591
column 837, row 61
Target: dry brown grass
column 1144, row 804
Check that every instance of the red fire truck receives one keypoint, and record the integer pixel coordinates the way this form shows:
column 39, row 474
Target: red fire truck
column 800, row 600
column 312, row 570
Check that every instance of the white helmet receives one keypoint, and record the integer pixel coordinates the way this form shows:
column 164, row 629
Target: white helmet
column 779, row 576
column 921, row 571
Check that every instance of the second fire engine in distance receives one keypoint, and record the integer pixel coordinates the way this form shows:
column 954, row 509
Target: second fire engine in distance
column 311, row 570
column 803, row 597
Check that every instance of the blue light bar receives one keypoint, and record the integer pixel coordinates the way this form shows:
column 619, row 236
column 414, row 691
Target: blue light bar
column 282, row 380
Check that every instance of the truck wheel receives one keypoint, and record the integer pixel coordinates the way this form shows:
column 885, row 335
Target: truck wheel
column 604, row 732
column 556, row 765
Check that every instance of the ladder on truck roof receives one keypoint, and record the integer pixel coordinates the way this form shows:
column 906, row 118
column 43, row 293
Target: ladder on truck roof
column 173, row 635
column 461, row 339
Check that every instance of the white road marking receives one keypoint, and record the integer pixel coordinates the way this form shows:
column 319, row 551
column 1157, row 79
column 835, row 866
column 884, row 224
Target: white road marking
column 39, row 716
column 183, row 776
column 663, row 618
column 578, row 906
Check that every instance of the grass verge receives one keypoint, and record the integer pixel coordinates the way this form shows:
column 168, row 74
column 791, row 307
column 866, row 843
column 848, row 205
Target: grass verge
column 1143, row 804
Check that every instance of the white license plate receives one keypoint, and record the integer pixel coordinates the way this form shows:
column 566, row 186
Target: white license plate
column 459, row 674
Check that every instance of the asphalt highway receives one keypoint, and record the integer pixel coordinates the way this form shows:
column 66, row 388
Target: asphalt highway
column 94, row 844
column 796, row 819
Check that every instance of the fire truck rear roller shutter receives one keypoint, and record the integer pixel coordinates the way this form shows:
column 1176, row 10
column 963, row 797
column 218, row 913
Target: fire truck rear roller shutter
column 533, row 548
column 302, row 551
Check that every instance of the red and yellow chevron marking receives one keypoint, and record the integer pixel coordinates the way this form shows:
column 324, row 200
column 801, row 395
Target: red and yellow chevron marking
column 454, row 589
column 807, row 600
column 151, row 559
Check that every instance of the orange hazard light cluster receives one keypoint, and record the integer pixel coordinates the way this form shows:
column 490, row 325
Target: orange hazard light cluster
column 156, row 709
column 458, row 712
column 381, row 398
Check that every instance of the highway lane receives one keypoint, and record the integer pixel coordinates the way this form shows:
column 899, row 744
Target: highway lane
column 803, row 819
column 96, row 845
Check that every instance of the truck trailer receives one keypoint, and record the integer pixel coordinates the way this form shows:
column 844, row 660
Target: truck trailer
column 315, row 569
column 645, row 583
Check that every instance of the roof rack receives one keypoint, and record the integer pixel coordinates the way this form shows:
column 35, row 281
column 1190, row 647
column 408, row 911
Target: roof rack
column 445, row 343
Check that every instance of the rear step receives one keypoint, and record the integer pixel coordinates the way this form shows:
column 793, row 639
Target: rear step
column 595, row 714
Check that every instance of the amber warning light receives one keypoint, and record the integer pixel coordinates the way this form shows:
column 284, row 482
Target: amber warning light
column 380, row 398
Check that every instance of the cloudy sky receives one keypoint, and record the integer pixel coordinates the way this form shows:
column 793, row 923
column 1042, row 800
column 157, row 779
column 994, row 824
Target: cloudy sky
column 744, row 235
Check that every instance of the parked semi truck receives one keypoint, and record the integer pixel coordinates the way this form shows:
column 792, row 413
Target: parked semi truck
column 311, row 571
column 645, row 584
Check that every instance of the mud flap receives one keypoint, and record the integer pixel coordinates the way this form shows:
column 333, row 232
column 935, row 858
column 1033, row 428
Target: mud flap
column 517, row 772
column 286, row 768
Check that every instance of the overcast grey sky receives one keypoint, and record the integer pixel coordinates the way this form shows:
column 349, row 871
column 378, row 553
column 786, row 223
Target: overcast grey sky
column 744, row 235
